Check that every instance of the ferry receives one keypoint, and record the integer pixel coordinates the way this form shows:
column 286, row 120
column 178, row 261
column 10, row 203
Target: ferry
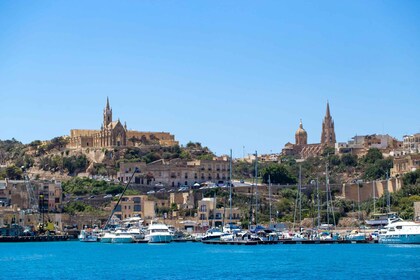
column 399, row 231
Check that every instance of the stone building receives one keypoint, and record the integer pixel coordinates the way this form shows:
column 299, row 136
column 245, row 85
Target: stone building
column 135, row 206
column 360, row 144
column 209, row 215
column 411, row 143
column 115, row 134
column 301, row 148
column 404, row 164
column 176, row 172
column 47, row 195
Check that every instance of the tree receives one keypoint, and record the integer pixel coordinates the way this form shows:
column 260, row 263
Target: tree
column 13, row 172
column 349, row 160
column 278, row 174
column 412, row 178
column 372, row 156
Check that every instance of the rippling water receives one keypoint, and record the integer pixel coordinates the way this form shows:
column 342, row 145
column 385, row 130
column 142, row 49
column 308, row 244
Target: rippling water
column 77, row 260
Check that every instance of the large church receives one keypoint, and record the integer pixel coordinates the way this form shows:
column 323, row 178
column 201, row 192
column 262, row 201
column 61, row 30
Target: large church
column 115, row 134
column 301, row 148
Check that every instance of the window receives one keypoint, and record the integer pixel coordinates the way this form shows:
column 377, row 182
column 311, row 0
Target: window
column 137, row 208
column 203, row 208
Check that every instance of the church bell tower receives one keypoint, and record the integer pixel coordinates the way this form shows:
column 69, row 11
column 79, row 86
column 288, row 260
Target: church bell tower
column 107, row 114
column 328, row 132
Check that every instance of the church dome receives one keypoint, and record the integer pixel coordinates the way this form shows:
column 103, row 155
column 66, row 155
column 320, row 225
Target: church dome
column 301, row 135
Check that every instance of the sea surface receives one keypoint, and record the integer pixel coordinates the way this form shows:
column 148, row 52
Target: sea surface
column 77, row 260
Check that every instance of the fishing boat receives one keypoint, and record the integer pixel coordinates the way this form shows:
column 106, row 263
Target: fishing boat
column 158, row 233
column 399, row 231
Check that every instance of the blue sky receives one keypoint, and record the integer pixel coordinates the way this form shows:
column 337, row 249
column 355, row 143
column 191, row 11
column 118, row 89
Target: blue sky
column 228, row 74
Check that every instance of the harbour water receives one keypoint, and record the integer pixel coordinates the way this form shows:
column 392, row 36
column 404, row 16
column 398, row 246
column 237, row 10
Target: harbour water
column 78, row 260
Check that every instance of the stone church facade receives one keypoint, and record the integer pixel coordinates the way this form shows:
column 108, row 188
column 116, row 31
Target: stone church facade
column 301, row 148
column 115, row 134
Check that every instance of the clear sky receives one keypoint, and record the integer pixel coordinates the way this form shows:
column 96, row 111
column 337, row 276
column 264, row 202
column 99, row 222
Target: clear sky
column 228, row 74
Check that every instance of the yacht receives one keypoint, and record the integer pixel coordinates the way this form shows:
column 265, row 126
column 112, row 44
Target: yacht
column 106, row 237
column 399, row 231
column 158, row 233
column 212, row 234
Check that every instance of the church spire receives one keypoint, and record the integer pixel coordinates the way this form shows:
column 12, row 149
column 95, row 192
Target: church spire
column 107, row 103
column 107, row 114
column 328, row 132
column 328, row 115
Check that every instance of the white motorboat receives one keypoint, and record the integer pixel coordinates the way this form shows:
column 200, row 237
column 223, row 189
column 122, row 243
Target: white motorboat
column 158, row 233
column 107, row 237
column 88, row 236
column 399, row 231
column 212, row 234
column 121, row 236
column 356, row 236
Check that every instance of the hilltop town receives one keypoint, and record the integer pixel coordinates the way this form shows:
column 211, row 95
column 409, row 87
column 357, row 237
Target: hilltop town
column 75, row 180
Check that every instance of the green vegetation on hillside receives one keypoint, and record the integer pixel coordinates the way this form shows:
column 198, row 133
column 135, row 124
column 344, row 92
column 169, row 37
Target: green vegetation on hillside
column 83, row 186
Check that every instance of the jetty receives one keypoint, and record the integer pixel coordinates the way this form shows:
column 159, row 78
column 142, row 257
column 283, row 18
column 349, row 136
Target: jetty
column 39, row 238
column 286, row 241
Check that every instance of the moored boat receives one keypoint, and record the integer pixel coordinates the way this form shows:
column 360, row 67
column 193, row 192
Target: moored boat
column 87, row 236
column 399, row 231
column 158, row 233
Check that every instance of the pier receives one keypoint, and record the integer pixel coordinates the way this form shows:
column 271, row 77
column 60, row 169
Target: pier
column 40, row 238
column 254, row 242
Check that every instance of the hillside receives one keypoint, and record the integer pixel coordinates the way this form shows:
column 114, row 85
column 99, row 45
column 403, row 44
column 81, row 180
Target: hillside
column 51, row 159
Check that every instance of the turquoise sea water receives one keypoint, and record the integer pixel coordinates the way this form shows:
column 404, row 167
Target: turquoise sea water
column 77, row 260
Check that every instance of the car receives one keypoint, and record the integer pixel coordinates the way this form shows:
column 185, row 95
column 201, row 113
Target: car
column 108, row 196
column 79, row 198
column 159, row 185
column 150, row 192
column 92, row 196
column 161, row 191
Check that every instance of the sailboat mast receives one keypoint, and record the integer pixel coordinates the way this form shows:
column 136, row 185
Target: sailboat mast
column 230, row 189
column 300, row 195
column 136, row 170
column 374, row 199
column 256, row 188
column 317, row 197
column 327, row 192
column 269, row 193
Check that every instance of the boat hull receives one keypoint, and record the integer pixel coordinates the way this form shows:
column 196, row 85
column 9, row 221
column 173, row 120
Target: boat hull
column 400, row 239
column 122, row 239
column 159, row 238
